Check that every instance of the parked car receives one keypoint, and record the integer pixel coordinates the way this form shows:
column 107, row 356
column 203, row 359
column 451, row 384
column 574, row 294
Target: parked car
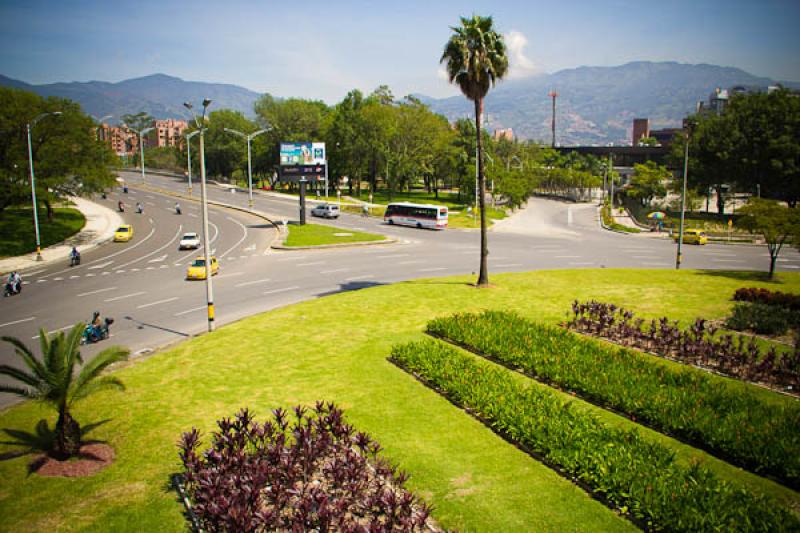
column 326, row 211
column 124, row 233
column 692, row 236
column 197, row 270
column 189, row 241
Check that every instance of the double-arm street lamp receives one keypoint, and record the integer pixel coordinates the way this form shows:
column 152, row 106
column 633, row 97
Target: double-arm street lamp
column 30, row 125
column 248, row 138
column 141, row 134
column 189, row 156
column 201, row 126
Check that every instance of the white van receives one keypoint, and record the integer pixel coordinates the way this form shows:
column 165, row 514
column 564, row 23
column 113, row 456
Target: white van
column 326, row 211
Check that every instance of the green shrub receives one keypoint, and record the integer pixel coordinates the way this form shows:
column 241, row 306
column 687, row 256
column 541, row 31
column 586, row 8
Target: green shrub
column 693, row 405
column 761, row 318
column 638, row 477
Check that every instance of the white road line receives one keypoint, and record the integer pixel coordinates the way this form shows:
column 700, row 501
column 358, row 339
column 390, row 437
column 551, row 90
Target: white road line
column 150, row 203
column 359, row 278
column 231, row 275
column 18, row 321
column 120, row 271
column 410, row 262
column 192, row 215
column 311, row 264
column 132, row 295
column 394, row 256
column 101, row 265
column 244, row 229
column 158, row 259
column 243, row 257
column 154, row 252
column 40, row 280
column 89, row 275
column 126, row 249
column 193, row 310
column 508, row 265
column 157, row 302
column 431, row 269
column 254, row 282
column 657, row 264
column 274, row 291
column 729, row 260
column 57, row 279
column 97, row 291
column 567, row 257
column 35, row 272
column 335, row 270
column 55, row 331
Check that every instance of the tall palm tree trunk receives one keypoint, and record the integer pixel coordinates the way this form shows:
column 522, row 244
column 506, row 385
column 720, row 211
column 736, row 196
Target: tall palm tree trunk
column 68, row 435
column 483, row 275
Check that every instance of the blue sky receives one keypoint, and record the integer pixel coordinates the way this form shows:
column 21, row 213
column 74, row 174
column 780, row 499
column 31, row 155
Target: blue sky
column 323, row 49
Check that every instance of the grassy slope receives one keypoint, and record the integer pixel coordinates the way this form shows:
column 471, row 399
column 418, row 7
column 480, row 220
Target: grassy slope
column 316, row 234
column 338, row 352
column 17, row 235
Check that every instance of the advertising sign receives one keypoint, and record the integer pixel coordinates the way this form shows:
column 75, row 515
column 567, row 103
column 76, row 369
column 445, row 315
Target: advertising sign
column 302, row 159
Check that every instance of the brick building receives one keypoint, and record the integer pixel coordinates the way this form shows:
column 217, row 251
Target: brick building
column 167, row 132
column 507, row 134
column 641, row 129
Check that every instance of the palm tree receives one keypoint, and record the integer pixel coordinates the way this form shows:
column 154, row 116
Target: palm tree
column 53, row 380
column 475, row 58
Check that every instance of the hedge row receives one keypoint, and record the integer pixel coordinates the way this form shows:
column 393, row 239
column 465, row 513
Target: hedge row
column 693, row 405
column 640, row 479
column 768, row 297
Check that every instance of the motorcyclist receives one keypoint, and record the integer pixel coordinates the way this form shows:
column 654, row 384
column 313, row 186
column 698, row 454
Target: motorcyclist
column 139, row 208
column 14, row 283
column 121, row 206
column 177, row 208
column 75, row 257
column 97, row 324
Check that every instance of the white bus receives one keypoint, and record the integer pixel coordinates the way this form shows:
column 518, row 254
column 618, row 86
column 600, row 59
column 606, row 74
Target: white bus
column 419, row 215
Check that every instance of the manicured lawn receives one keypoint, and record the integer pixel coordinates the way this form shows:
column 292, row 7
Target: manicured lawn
column 337, row 352
column 17, row 236
column 317, row 234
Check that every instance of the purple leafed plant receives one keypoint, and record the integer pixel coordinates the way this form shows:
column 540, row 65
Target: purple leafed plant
column 300, row 471
column 699, row 344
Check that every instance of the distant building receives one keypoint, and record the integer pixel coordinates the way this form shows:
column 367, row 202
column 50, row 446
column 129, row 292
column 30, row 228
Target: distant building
column 665, row 136
column 507, row 134
column 168, row 132
column 641, row 129
column 122, row 141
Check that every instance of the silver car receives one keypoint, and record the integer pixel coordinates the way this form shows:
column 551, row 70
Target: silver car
column 326, row 211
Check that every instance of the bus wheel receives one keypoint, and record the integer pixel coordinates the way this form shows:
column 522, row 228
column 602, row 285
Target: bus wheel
column 391, row 221
column 419, row 226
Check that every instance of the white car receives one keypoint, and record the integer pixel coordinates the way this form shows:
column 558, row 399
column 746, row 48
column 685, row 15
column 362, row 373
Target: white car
column 189, row 241
column 326, row 211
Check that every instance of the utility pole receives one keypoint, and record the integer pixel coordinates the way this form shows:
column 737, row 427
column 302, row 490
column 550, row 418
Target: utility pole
column 611, row 177
column 553, row 94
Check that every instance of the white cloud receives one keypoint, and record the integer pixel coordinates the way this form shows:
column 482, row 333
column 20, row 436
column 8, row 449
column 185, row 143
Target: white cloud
column 519, row 65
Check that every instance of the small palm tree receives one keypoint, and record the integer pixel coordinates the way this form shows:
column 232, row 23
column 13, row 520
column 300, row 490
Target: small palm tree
column 53, row 380
column 475, row 58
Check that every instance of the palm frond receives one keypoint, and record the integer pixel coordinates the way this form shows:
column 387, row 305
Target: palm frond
column 95, row 367
column 20, row 375
column 19, row 391
column 99, row 384
column 27, row 356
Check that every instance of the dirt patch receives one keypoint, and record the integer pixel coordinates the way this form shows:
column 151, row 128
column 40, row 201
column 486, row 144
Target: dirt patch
column 92, row 458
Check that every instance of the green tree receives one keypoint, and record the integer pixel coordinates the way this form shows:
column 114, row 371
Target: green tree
column 475, row 58
column 647, row 181
column 774, row 222
column 226, row 154
column 139, row 121
column 56, row 381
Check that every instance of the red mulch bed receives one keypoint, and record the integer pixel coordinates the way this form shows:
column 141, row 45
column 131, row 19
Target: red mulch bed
column 92, row 458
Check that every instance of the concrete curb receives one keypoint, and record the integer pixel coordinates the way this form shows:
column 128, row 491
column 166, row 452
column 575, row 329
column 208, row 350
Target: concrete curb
column 338, row 245
column 101, row 223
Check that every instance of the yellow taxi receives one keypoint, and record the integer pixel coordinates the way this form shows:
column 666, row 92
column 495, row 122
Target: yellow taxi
column 197, row 270
column 124, row 233
column 692, row 236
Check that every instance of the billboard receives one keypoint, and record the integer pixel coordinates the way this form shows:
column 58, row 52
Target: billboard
column 303, row 159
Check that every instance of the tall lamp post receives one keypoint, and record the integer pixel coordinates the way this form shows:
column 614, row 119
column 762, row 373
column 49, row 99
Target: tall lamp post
column 31, row 124
column 189, row 157
column 201, row 126
column 248, row 138
column 679, row 256
column 141, row 134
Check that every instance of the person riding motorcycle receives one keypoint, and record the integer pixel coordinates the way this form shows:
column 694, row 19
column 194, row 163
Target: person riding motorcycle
column 177, row 208
column 120, row 206
column 139, row 208
column 74, row 257
column 13, row 283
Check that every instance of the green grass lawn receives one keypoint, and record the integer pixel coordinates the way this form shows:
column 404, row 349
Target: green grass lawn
column 317, row 234
column 17, row 236
column 337, row 351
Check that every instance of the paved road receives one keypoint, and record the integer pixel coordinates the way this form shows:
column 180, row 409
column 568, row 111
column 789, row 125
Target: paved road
column 141, row 283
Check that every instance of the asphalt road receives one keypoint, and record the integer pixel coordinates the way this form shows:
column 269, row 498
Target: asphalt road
column 141, row 284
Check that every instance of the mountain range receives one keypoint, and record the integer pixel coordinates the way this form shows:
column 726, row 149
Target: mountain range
column 595, row 105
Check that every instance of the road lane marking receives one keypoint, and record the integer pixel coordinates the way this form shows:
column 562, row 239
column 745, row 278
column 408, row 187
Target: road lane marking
column 192, row 215
column 97, row 291
column 274, row 291
column 35, row 272
column 251, row 248
column 231, row 275
column 583, row 263
column 18, row 321
column 410, row 262
column 567, row 257
column 657, row 264
column 126, row 249
column 394, row 256
column 58, row 279
column 359, row 278
column 101, row 265
column 334, row 270
column 55, row 331
column 132, row 295
column 311, row 264
column 158, row 259
column 89, row 275
column 728, row 260
column 120, row 271
column 157, row 302
column 255, row 282
column 508, row 265
column 145, row 256
column 240, row 241
column 435, row 269
column 193, row 310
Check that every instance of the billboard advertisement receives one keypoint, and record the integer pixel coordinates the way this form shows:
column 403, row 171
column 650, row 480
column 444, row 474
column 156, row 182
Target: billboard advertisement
column 302, row 159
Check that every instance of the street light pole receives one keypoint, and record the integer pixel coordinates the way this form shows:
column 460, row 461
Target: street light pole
column 248, row 138
column 33, row 181
column 679, row 256
column 189, row 157
column 204, row 208
column 141, row 134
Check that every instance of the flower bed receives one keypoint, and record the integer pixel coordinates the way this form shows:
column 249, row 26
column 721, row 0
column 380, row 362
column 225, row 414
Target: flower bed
column 309, row 471
column 768, row 297
column 638, row 478
column 698, row 345
column 692, row 405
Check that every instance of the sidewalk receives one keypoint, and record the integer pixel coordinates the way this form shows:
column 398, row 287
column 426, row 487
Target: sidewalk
column 101, row 222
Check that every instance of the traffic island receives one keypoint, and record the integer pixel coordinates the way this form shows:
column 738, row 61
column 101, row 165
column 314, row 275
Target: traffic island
column 303, row 237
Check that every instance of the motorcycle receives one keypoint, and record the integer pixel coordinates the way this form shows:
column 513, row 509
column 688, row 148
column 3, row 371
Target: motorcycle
column 121, row 208
column 95, row 334
column 75, row 260
column 12, row 288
